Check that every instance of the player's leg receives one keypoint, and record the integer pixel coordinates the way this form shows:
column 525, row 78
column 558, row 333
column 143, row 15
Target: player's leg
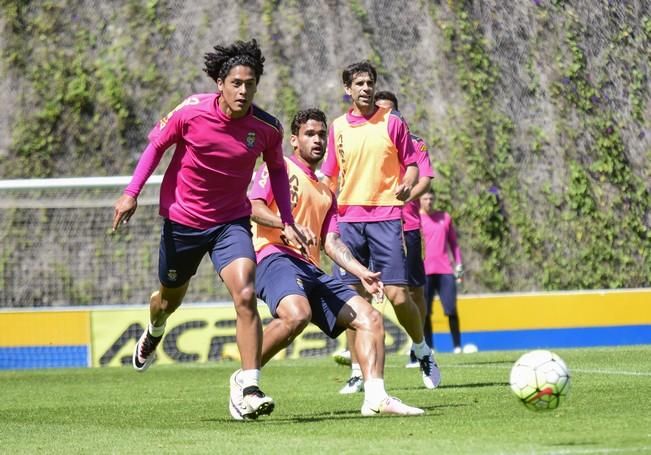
column 385, row 240
column 360, row 316
column 293, row 315
column 431, row 285
column 353, row 235
column 180, row 252
column 234, row 259
column 448, row 295
column 415, row 280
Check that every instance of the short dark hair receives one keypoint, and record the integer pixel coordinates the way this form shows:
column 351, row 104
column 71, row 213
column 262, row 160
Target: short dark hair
column 389, row 96
column 303, row 116
column 365, row 66
column 246, row 53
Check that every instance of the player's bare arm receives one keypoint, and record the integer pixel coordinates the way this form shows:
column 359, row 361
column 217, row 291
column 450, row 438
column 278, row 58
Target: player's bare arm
column 125, row 207
column 409, row 180
column 343, row 257
column 420, row 188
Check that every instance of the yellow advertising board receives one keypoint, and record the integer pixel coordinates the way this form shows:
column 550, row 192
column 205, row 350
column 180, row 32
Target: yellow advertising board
column 204, row 333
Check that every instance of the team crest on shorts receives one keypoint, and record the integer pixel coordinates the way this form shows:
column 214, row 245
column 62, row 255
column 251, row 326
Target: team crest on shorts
column 250, row 139
column 172, row 275
column 300, row 283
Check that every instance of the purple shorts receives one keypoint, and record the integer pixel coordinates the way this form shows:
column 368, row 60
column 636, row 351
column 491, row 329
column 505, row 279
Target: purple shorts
column 379, row 245
column 182, row 248
column 415, row 266
column 280, row 275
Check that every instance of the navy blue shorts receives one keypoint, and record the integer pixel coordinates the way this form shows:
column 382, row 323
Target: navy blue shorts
column 182, row 248
column 446, row 287
column 280, row 275
column 415, row 266
column 379, row 245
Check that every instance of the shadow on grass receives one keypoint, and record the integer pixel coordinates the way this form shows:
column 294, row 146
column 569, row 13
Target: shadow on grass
column 454, row 386
column 353, row 415
column 489, row 362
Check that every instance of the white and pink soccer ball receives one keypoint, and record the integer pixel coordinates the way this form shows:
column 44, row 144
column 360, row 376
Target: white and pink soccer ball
column 540, row 379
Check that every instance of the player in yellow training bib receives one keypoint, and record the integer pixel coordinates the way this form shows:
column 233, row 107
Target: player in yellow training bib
column 367, row 149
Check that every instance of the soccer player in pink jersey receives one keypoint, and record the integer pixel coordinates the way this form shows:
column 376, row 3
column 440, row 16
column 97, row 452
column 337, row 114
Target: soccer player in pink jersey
column 203, row 202
column 291, row 283
column 439, row 236
column 372, row 161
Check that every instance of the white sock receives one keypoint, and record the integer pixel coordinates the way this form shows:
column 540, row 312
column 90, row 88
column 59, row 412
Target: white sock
column 421, row 349
column 156, row 331
column 374, row 390
column 248, row 378
column 355, row 370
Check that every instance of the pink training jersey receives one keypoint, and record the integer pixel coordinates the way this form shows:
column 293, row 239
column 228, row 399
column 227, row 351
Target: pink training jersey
column 399, row 134
column 438, row 233
column 262, row 190
column 411, row 210
column 206, row 181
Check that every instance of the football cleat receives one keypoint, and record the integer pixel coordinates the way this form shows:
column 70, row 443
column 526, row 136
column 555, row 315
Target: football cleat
column 247, row 406
column 413, row 361
column 354, row 384
column 255, row 403
column 390, row 406
column 236, row 402
column 144, row 353
column 342, row 357
column 456, row 350
column 430, row 371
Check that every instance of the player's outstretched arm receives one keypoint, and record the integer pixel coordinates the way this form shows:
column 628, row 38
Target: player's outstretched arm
column 342, row 256
column 125, row 207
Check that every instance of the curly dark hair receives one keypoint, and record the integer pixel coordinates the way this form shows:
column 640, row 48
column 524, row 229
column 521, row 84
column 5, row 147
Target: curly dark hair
column 360, row 67
column 389, row 96
column 246, row 53
column 303, row 116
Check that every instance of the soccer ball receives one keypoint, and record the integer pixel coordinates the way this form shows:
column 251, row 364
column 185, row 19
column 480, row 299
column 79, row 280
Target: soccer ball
column 540, row 379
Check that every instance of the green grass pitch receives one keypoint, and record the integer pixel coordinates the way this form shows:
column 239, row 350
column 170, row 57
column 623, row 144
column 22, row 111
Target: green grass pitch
column 183, row 409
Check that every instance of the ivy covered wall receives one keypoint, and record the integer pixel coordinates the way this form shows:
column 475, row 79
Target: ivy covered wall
column 536, row 112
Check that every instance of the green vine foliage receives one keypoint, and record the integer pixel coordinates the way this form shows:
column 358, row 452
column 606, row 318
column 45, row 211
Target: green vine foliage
column 83, row 96
column 593, row 236
column 553, row 202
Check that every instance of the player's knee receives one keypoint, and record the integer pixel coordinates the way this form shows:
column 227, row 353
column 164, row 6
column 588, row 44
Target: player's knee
column 245, row 295
column 370, row 320
column 398, row 295
column 375, row 321
column 167, row 302
column 297, row 318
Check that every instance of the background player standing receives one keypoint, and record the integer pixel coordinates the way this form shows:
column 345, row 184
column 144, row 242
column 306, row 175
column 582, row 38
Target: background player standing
column 438, row 236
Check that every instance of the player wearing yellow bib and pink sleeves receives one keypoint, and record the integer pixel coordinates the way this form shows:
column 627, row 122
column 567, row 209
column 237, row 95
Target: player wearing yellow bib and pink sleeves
column 367, row 149
column 411, row 224
column 293, row 286
column 218, row 138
